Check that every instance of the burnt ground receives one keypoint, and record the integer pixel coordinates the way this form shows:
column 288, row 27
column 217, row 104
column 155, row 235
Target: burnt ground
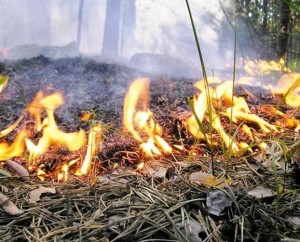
column 120, row 204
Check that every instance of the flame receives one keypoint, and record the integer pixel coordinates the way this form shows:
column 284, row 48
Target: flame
column 141, row 122
column 94, row 142
column 3, row 82
column 263, row 67
column 289, row 86
column 51, row 133
column 221, row 98
column 15, row 149
column 10, row 128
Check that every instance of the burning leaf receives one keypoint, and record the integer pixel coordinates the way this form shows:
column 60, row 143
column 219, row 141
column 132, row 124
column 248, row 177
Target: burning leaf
column 208, row 180
column 9, row 206
column 260, row 192
column 217, row 201
column 35, row 195
column 17, row 168
column 139, row 122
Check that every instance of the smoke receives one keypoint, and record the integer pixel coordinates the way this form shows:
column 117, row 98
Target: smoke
column 154, row 35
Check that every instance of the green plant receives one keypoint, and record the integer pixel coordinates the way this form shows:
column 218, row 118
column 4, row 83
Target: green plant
column 208, row 96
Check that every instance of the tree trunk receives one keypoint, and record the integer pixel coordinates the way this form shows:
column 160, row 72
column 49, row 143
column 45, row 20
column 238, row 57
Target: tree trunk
column 111, row 37
column 265, row 19
column 79, row 24
column 283, row 37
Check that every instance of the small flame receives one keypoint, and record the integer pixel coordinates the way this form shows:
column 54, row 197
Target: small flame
column 263, row 67
column 10, row 128
column 140, row 166
column 3, row 82
column 141, row 122
column 236, row 108
column 289, row 86
column 51, row 133
column 94, row 142
column 15, row 149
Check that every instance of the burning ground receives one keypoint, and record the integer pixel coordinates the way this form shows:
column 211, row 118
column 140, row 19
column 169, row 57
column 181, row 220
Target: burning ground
column 112, row 154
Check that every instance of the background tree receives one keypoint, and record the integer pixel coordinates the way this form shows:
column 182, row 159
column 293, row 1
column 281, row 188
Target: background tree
column 79, row 24
column 274, row 26
column 111, row 38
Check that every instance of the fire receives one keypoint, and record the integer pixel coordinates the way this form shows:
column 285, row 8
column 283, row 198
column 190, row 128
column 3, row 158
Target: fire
column 51, row 133
column 15, row 149
column 289, row 86
column 263, row 67
column 235, row 108
column 141, row 122
column 94, row 142
column 3, row 82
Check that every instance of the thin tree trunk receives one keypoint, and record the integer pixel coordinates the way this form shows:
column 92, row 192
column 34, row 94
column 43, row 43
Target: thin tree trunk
column 265, row 19
column 79, row 24
column 283, row 37
column 111, row 37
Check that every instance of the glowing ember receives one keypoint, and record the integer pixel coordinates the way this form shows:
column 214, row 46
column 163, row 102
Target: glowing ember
column 140, row 122
column 51, row 133
column 94, row 143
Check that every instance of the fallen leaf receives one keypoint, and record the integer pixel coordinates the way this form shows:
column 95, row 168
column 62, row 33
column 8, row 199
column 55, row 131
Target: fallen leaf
column 35, row 195
column 17, row 168
column 295, row 221
column 191, row 229
column 217, row 201
column 9, row 206
column 157, row 172
column 5, row 173
column 209, row 180
column 260, row 192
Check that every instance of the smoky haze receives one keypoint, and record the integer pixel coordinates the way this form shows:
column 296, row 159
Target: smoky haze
column 153, row 35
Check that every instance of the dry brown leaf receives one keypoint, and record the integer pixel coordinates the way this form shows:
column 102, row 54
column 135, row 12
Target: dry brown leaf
column 260, row 192
column 34, row 195
column 17, row 168
column 9, row 206
column 209, row 180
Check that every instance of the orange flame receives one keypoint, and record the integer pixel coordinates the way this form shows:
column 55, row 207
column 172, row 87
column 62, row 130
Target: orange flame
column 289, row 85
column 3, row 82
column 94, row 142
column 15, row 149
column 140, row 122
column 51, row 133
column 234, row 107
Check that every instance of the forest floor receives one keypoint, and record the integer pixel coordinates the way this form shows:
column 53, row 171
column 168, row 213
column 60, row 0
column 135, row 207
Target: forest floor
column 172, row 198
